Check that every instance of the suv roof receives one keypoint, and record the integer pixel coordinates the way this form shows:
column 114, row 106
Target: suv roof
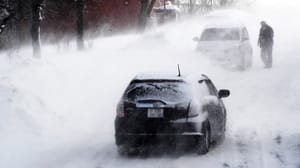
column 225, row 23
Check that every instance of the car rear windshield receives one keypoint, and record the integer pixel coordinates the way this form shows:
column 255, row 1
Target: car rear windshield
column 220, row 34
column 166, row 91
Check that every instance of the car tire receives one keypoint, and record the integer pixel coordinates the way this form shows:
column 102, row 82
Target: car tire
column 203, row 142
column 123, row 150
column 250, row 60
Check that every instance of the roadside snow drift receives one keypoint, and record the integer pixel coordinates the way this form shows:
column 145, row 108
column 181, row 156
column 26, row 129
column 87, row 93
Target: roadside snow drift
column 58, row 112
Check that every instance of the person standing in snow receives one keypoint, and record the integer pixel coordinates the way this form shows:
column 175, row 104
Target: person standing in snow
column 265, row 42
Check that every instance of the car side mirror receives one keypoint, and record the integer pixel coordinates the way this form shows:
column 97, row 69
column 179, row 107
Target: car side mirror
column 223, row 93
column 201, row 81
column 196, row 39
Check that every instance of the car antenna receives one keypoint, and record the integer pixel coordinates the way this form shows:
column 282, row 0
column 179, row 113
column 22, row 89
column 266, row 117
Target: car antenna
column 178, row 68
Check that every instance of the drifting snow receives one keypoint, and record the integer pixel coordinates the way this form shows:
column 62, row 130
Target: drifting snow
column 58, row 112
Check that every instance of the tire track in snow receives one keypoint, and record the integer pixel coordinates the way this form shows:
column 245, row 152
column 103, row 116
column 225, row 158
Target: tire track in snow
column 249, row 151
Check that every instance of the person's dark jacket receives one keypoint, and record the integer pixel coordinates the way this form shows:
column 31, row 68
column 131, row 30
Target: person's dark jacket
column 266, row 36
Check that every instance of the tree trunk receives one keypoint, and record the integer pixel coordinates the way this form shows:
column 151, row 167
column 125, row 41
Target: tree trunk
column 223, row 3
column 80, row 26
column 4, row 17
column 145, row 12
column 19, row 17
column 149, row 10
column 192, row 4
column 143, row 16
column 35, row 27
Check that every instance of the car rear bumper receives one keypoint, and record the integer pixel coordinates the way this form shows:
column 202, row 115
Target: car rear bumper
column 152, row 132
column 142, row 139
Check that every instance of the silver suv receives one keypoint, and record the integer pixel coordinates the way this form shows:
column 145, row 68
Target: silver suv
column 226, row 43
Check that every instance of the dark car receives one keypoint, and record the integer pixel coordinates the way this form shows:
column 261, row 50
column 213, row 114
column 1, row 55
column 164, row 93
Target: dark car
column 172, row 110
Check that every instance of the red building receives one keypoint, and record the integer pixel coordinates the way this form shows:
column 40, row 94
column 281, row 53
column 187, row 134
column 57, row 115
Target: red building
column 108, row 15
column 100, row 16
column 116, row 14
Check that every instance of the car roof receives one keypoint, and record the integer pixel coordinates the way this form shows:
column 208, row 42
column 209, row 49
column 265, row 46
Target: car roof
column 165, row 77
column 168, row 6
column 157, row 76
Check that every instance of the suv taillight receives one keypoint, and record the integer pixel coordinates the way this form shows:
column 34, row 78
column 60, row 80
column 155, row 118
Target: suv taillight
column 120, row 110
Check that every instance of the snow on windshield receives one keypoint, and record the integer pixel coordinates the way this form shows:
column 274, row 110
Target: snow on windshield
column 169, row 92
column 220, row 34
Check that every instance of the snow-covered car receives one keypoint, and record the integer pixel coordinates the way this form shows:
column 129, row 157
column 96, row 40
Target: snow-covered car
column 166, row 13
column 228, row 43
column 170, row 110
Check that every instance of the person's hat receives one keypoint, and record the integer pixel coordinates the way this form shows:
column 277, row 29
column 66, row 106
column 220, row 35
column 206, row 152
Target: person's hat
column 263, row 22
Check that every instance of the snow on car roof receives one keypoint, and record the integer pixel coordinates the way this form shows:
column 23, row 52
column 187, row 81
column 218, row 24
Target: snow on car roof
column 168, row 6
column 158, row 76
column 225, row 24
column 164, row 76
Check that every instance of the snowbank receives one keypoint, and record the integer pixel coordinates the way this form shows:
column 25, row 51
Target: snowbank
column 59, row 111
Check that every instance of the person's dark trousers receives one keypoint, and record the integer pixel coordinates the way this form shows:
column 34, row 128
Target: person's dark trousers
column 266, row 55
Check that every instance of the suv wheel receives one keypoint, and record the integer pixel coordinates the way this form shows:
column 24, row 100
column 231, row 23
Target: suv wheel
column 250, row 61
column 243, row 63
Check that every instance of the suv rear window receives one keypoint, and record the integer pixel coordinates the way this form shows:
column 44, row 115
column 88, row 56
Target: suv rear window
column 220, row 34
column 167, row 91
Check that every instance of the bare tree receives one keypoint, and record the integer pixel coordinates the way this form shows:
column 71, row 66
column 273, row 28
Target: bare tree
column 5, row 15
column 223, row 2
column 192, row 6
column 145, row 11
column 35, row 27
column 80, row 23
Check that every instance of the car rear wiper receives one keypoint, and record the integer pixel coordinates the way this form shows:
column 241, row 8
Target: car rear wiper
column 156, row 87
column 161, row 88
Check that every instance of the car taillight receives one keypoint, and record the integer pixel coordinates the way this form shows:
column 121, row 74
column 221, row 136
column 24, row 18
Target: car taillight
column 193, row 109
column 120, row 110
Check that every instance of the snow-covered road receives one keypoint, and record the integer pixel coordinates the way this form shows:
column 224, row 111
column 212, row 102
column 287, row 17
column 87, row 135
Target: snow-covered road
column 58, row 112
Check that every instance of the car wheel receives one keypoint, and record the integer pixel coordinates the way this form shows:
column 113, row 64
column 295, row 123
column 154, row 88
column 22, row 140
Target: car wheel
column 123, row 150
column 203, row 142
column 250, row 61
